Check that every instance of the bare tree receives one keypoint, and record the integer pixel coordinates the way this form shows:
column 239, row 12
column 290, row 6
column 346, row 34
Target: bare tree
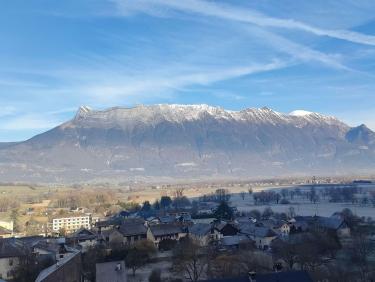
column 189, row 261
column 360, row 252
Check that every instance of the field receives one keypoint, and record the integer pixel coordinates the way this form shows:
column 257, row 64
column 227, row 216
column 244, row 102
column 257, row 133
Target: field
column 33, row 201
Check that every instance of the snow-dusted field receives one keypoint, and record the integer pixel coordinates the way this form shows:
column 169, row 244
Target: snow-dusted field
column 302, row 207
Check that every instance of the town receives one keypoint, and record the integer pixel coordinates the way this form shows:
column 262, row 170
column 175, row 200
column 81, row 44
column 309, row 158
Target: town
column 240, row 233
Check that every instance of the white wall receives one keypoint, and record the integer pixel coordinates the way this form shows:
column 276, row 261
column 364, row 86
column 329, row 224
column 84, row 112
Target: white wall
column 6, row 267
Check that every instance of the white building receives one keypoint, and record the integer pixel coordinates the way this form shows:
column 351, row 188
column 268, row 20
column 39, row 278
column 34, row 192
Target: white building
column 71, row 224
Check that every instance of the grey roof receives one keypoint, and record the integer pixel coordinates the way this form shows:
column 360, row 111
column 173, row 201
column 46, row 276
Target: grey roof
column 233, row 240
column 83, row 234
column 203, row 220
column 286, row 276
column 165, row 229
column 131, row 229
column 109, row 222
column 12, row 248
column 271, row 223
column 257, row 231
column 49, row 270
column 167, row 219
column 200, row 229
column 114, row 271
column 330, row 222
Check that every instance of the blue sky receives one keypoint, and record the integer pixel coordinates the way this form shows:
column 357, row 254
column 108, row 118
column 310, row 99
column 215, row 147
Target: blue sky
column 285, row 54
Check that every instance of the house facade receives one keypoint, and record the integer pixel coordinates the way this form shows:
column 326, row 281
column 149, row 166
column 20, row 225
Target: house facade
column 157, row 233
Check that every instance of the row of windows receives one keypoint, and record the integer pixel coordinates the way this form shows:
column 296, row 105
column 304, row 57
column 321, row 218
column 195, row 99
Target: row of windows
column 72, row 219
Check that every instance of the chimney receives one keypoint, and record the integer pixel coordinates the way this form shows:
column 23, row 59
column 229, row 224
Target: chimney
column 252, row 276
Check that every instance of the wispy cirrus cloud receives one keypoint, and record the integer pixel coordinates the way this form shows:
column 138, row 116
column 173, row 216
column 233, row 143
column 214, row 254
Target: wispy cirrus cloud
column 112, row 90
column 232, row 13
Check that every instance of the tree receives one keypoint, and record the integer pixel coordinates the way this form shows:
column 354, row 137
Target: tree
column 285, row 250
column 267, row 213
column 223, row 211
column 360, row 252
column 291, row 212
column 156, row 205
column 255, row 214
column 29, row 267
column 180, row 202
column 222, row 195
column 167, row 244
column 89, row 259
column 14, row 216
column 188, row 260
column 146, row 207
column 139, row 254
column 165, row 201
column 226, row 266
column 179, row 192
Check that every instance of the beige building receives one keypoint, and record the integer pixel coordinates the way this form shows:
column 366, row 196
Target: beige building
column 7, row 225
column 72, row 223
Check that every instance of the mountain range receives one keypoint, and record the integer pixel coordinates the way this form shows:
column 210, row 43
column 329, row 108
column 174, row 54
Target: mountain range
column 164, row 142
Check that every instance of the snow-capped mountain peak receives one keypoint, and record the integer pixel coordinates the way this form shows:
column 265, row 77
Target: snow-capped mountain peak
column 300, row 113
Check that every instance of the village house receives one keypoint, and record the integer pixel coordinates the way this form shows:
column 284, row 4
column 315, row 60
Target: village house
column 108, row 224
column 335, row 224
column 225, row 229
column 263, row 236
column 157, row 233
column 232, row 243
column 280, row 227
column 201, row 233
column 8, row 225
column 5, row 233
column 67, row 269
column 129, row 232
column 11, row 253
column 83, row 239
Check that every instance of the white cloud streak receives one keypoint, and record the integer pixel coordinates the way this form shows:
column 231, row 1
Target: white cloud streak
column 232, row 13
column 112, row 90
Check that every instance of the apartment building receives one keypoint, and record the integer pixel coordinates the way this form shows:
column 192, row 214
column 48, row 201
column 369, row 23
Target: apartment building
column 71, row 223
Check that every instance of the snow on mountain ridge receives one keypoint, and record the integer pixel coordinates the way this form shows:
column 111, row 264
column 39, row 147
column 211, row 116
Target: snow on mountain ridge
column 177, row 113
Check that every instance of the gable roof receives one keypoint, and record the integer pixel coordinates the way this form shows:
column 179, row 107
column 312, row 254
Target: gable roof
column 164, row 229
column 131, row 229
column 83, row 234
column 167, row 219
column 11, row 248
column 257, row 231
column 200, row 229
column 109, row 222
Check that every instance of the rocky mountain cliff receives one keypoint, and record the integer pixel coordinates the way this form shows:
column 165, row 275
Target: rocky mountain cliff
column 162, row 142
